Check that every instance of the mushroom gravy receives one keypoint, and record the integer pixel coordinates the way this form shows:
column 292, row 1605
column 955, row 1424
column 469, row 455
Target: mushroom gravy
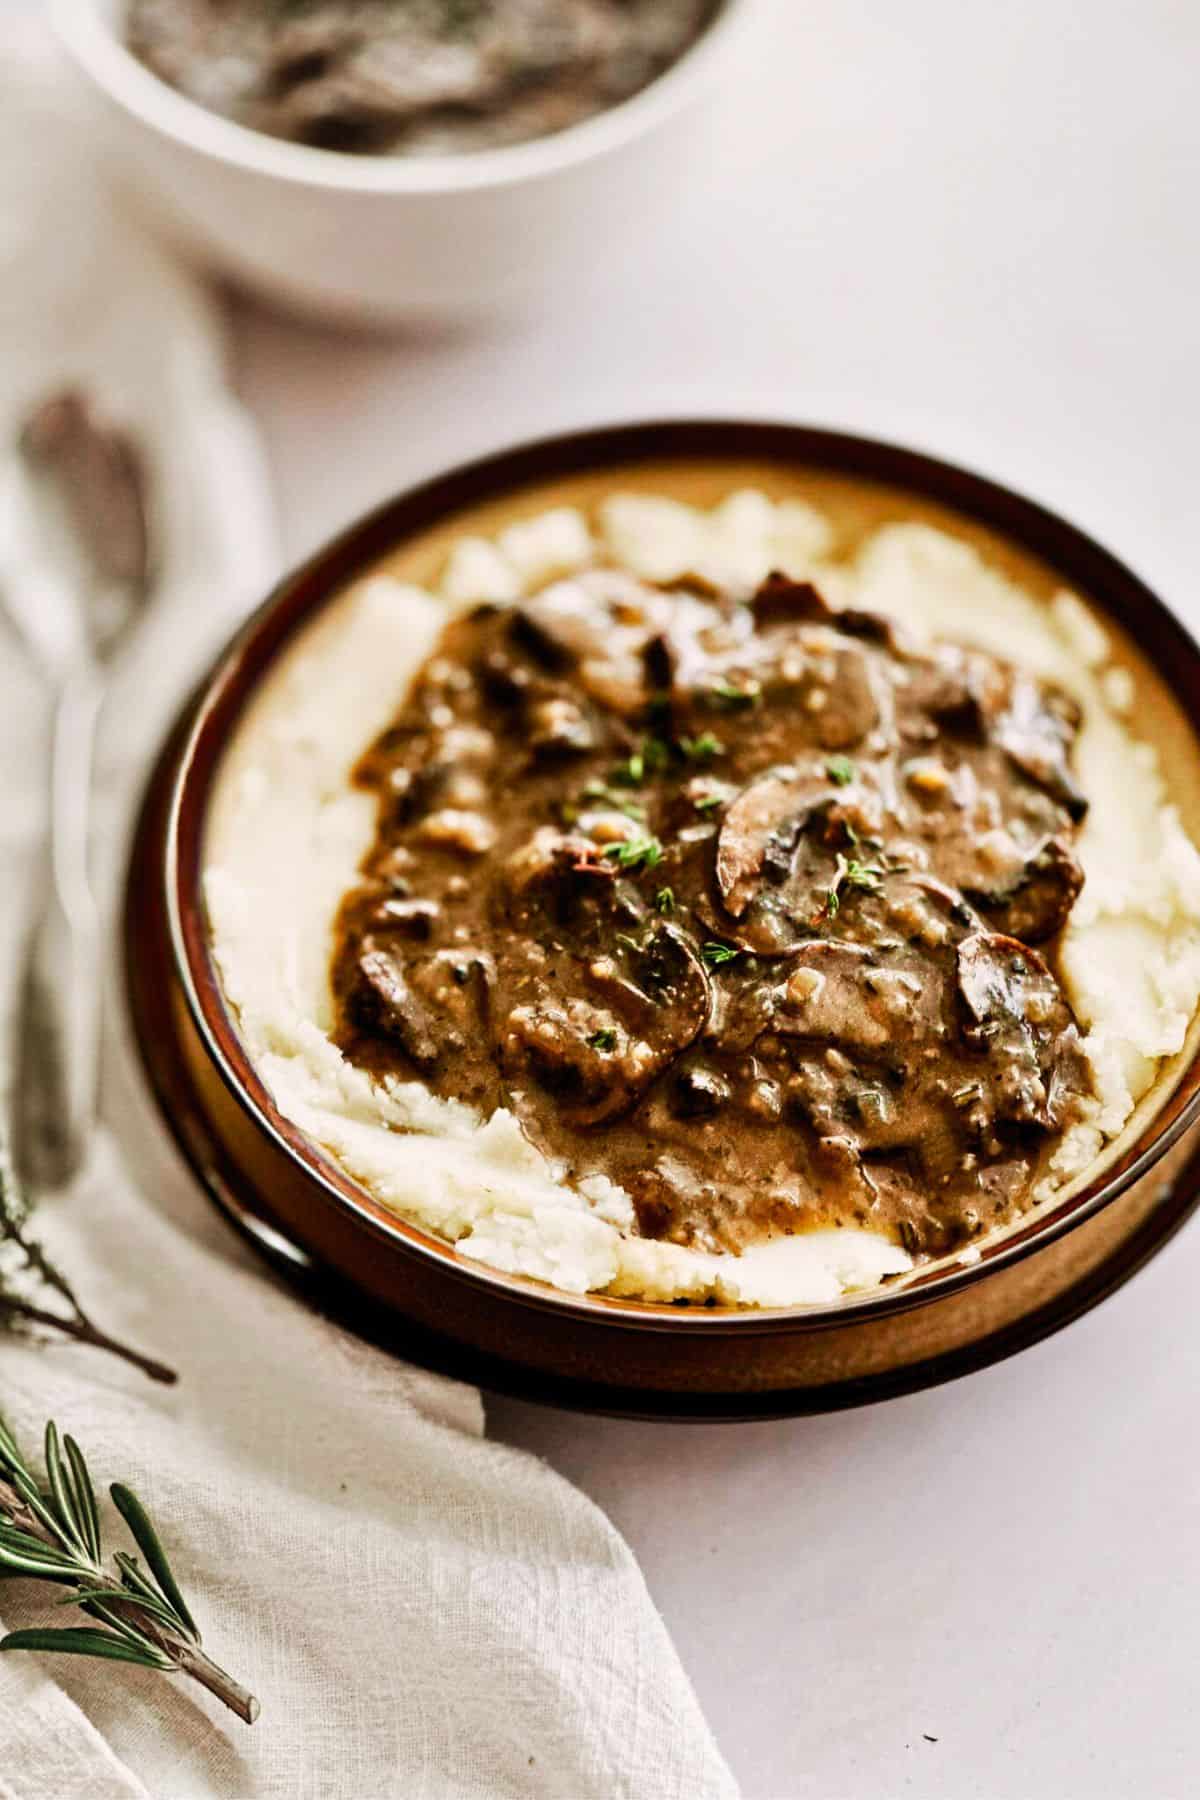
column 424, row 77
column 736, row 900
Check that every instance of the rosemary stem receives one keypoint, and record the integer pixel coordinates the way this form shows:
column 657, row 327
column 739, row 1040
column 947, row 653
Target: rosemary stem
column 203, row 1669
column 85, row 1332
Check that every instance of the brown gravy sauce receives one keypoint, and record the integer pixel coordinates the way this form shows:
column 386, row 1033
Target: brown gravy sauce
column 746, row 904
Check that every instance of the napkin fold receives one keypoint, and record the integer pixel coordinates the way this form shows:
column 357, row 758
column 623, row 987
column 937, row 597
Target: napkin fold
column 423, row 1613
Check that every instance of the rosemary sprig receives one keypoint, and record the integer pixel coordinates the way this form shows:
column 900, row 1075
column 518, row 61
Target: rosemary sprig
column 51, row 1533
column 28, row 1277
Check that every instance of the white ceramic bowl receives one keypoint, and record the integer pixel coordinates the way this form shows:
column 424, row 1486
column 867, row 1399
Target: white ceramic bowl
column 379, row 240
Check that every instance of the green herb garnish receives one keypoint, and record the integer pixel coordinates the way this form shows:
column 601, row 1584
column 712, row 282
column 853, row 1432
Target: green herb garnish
column 605, row 1039
column 664, row 901
column 840, row 770
column 635, row 853
column 596, row 790
column 702, row 748
column 706, row 802
column 849, row 872
column 868, row 877
column 716, row 955
column 50, row 1530
column 732, row 697
column 651, row 756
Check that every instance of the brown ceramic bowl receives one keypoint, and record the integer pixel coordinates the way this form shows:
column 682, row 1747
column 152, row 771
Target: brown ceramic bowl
column 399, row 1284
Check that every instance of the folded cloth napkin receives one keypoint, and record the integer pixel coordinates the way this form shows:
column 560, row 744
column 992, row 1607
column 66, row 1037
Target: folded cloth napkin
column 422, row 1613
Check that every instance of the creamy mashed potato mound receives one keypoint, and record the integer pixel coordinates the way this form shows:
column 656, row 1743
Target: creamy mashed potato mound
column 288, row 830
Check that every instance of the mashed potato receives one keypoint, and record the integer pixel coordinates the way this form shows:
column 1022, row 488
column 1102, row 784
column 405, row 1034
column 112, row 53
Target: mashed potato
column 287, row 832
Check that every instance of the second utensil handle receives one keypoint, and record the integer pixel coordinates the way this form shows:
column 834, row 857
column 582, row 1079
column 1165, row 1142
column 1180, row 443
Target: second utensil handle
column 59, row 1016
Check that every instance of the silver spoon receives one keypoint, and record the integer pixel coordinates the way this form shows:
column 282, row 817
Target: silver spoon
column 78, row 574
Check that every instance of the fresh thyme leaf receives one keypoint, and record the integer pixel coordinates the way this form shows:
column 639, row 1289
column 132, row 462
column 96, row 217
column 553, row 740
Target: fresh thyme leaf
column 706, row 802
column 664, row 900
column 716, row 955
column 868, row 877
column 734, row 697
column 635, row 853
column 702, row 748
column 622, row 803
column 651, row 756
column 605, row 1039
column 848, row 872
column 840, row 770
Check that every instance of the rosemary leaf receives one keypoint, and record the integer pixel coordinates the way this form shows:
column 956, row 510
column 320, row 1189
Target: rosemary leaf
column 77, row 1640
column 146, row 1539
column 62, row 1497
column 85, row 1495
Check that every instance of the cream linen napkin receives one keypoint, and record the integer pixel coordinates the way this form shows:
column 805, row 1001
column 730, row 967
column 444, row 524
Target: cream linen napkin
column 421, row 1612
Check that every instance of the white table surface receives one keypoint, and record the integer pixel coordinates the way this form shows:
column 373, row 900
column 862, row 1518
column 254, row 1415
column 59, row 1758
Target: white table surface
column 973, row 227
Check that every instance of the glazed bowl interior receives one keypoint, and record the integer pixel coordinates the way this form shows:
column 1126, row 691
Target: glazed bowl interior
column 90, row 31
column 860, row 484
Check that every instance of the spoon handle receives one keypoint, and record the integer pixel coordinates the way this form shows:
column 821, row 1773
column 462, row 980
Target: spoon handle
column 59, row 1002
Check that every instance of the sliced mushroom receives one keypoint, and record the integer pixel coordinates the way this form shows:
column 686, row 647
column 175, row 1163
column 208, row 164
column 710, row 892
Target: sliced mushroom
column 761, row 830
column 849, row 708
column 876, row 628
column 600, row 1057
column 555, row 878
column 1020, row 1019
column 698, row 1093
column 827, row 996
column 1036, row 903
column 559, row 728
column 667, row 967
column 408, row 918
column 503, row 679
column 1036, row 731
column 381, row 1000
column 1003, row 981
column 782, row 601
column 533, row 633
column 964, row 691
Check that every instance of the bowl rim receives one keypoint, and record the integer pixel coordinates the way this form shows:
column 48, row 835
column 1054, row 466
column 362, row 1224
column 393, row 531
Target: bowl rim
column 94, row 45
column 1110, row 585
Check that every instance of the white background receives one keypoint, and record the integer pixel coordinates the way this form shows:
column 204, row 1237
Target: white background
column 973, row 227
